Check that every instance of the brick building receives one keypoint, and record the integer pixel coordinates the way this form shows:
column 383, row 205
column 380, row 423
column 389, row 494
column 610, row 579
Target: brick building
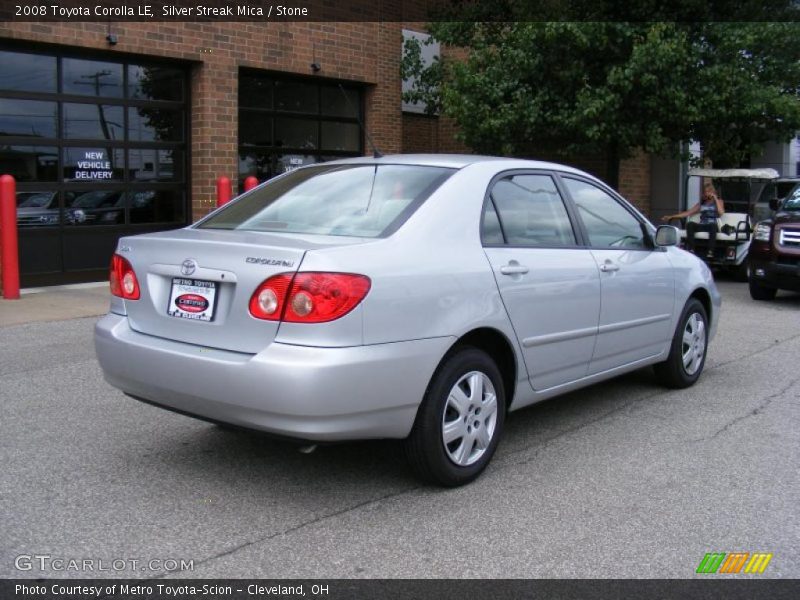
column 113, row 139
column 107, row 140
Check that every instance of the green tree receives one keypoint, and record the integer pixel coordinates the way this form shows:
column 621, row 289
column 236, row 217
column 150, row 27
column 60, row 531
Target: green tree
column 746, row 88
column 611, row 87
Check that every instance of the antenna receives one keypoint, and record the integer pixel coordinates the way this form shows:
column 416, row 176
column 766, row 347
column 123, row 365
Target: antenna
column 375, row 152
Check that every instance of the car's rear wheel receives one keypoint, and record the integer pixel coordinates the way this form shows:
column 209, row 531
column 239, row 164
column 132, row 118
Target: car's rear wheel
column 687, row 355
column 460, row 420
column 761, row 292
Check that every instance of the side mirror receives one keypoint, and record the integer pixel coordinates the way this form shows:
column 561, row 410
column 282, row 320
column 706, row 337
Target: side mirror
column 667, row 235
column 774, row 204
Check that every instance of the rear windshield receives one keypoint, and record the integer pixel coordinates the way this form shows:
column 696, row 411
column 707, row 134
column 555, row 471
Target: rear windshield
column 350, row 200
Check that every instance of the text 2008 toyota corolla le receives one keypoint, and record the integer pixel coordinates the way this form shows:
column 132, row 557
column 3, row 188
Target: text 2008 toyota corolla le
column 410, row 297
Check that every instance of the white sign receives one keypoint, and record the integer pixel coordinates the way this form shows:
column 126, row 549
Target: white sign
column 94, row 166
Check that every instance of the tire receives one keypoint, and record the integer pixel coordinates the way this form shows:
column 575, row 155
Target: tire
column 689, row 345
column 742, row 272
column 474, row 425
column 760, row 292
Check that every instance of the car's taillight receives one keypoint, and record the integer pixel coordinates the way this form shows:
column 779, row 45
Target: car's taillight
column 321, row 297
column 123, row 279
column 308, row 297
column 268, row 300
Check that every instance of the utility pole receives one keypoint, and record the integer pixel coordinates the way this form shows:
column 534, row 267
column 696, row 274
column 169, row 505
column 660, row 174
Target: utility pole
column 97, row 86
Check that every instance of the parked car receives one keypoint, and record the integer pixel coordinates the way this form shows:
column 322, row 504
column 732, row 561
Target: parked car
column 104, row 207
column 37, row 209
column 40, row 209
column 409, row 297
column 775, row 255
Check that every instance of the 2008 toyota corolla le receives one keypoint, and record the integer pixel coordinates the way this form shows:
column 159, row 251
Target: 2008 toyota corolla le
column 410, row 297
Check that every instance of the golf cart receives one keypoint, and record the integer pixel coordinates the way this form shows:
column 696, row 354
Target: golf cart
column 735, row 227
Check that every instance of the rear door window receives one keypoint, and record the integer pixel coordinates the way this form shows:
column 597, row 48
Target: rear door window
column 527, row 210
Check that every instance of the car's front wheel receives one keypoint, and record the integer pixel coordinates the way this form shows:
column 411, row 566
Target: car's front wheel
column 460, row 420
column 687, row 355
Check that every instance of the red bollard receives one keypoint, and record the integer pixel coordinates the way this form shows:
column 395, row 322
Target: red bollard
column 9, row 249
column 250, row 183
column 223, row 191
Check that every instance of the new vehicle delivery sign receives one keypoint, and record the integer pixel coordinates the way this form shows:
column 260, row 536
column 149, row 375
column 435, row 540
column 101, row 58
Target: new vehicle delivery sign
column 95, row 165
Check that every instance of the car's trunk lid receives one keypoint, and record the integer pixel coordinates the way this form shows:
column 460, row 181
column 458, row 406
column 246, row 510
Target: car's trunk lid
column 169, row 265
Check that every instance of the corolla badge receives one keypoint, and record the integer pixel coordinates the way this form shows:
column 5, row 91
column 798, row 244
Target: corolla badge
column 188, row 266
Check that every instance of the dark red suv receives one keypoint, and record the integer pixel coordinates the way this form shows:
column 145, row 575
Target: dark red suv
column 775, row 250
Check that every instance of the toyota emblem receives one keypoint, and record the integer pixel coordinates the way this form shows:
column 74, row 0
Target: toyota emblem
column 188, row 266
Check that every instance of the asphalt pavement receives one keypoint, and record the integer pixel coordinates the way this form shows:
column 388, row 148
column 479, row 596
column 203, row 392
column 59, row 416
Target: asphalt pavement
column 623, row 479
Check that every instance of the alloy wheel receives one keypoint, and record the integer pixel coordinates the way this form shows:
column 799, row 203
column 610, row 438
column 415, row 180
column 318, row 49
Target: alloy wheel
column 469, row 419
column 693, row 348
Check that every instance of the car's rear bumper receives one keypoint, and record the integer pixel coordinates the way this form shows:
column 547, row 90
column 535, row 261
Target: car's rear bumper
column 776, row 275
column 309, row 393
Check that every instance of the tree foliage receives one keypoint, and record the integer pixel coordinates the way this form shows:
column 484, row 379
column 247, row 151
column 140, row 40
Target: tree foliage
column 612, row 86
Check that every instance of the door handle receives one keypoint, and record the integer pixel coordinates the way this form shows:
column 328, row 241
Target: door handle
column 514, row 269
column 608, row 267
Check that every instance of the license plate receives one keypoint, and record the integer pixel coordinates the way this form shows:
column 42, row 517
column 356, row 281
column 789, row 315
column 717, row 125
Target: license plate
column 192, row 299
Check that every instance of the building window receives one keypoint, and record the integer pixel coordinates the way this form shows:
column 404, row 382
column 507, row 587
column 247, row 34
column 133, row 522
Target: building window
column 91, row 78
column 28, row 118
column 285, row 123
column 430, row 51
column 98, row 149
column 28, row 72
column 67, row 124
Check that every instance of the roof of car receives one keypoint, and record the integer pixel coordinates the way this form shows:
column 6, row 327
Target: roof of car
column 453, row 161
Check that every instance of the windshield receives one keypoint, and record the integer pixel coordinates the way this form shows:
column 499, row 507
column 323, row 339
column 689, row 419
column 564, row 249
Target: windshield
column 793, row 201
column 34, row 200
column 348, row 200
column 784, row 188
column 97, row 200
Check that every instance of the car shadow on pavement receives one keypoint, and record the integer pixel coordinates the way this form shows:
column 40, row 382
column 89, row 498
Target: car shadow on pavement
column 241, row 457
column 244, row 456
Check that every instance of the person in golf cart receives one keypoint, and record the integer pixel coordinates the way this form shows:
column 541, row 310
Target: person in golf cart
column 710, row 208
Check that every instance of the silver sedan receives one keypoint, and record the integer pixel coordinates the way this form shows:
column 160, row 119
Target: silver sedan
column 412, row 297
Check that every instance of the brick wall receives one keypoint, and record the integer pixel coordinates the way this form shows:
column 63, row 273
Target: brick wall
column 634, row 181
column 422, row 133
column 360, row 52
